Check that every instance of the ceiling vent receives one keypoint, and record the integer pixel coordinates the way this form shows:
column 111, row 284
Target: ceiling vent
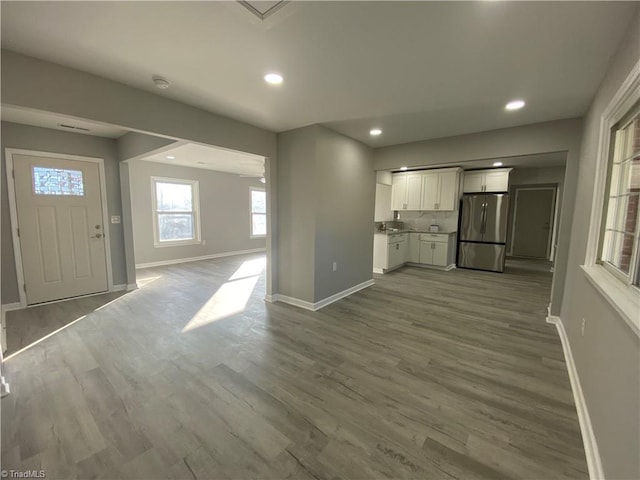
column 262, row 9
column 73, row 127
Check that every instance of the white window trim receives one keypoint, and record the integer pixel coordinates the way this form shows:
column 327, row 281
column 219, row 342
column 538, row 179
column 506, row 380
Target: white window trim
column 196, row 212
column 251, row 235
column 625, row 299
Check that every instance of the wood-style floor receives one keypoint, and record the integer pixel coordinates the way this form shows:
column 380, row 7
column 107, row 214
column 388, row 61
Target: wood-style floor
column 427, row 374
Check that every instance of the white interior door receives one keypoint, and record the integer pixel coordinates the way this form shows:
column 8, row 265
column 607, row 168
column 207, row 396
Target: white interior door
column 61, row 231
column 533, row 222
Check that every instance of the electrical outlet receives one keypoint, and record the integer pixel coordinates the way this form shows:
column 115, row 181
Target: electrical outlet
column 335, row 266
column 584, row 324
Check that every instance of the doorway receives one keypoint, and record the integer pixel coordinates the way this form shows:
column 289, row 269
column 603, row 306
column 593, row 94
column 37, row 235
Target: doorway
column 59, row 225
column 533, row 222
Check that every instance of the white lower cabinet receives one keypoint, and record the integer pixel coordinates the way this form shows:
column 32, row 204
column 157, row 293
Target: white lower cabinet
column 437, row 249
column 393, row 250
column 389, row 251
column 413, row 253
column 397, row 253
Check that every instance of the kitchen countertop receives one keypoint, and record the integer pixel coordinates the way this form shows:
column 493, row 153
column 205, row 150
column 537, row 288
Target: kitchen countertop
column 392, row 232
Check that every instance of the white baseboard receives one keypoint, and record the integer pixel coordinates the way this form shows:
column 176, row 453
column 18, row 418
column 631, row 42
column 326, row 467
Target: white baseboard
column 271, row 298
column 588, row 436
column 419, row 265
column 322, row 303
column 197, row 259
column 296, row 302
column 344, row 293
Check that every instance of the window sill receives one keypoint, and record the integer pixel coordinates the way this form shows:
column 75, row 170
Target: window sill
column 624, row 299
column 177, row 243
column 253, row 237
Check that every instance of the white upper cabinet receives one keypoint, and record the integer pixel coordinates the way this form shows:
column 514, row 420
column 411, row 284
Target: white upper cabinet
column 383, row 211
column 414, row 191
column 494, row 180
column 406, row 191
column 440, row 189
column 430, row 191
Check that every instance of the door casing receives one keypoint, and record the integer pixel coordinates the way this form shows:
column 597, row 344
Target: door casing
column 11, row 191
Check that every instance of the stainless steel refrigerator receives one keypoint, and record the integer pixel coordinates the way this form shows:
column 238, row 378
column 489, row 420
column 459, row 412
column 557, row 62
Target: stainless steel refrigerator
column 483, row 231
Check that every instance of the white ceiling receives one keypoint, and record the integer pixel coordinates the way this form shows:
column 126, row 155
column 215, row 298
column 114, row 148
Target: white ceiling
column 418, row 70
column 211, row 158
column 58, row 122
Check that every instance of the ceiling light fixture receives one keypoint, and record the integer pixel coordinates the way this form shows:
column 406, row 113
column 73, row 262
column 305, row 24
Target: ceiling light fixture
column 403, row 168
column 160, row 82
column 497, row 164
column 515, row 105
column 170, row 157
column 273, row 78
column 375, row 132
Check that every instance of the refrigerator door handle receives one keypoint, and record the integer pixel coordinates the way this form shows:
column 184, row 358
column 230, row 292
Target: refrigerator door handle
column 483, row 221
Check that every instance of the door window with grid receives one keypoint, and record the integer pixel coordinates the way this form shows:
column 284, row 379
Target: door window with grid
column 619, row 246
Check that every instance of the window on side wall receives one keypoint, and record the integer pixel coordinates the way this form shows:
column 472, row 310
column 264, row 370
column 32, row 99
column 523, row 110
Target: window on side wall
column 618, row 251
column 258, row 212
column 176, row 218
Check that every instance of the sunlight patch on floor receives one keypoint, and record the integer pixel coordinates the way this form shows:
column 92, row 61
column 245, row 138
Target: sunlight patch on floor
column 143, row 282
column 231, row 297
column 250, row 268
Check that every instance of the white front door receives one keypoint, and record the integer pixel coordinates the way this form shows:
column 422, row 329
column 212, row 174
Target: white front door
column 61, row 231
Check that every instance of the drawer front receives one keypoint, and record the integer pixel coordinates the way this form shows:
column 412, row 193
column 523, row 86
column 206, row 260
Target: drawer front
column 398, row 238
column 434, row 237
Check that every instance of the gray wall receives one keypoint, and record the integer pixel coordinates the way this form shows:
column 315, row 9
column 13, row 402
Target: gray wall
column 296, row 213
column 557, row 136
column 55, row 141
column 607, row 357
column 533, row 176
column 346, row 182
column 225, row 212
column 326, row 192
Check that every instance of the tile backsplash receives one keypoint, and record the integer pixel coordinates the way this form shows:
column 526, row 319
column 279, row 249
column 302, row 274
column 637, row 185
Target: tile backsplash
column 448, row 221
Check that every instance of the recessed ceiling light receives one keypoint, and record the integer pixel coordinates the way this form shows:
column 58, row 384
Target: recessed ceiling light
column 515, row 105
column 403, row 168
column 273, row 78
column 171, row 157
column 497, row 164
column 160, row 82
column 375, row 132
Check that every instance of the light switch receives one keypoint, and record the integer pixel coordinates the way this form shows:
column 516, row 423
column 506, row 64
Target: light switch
column 115, row 218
